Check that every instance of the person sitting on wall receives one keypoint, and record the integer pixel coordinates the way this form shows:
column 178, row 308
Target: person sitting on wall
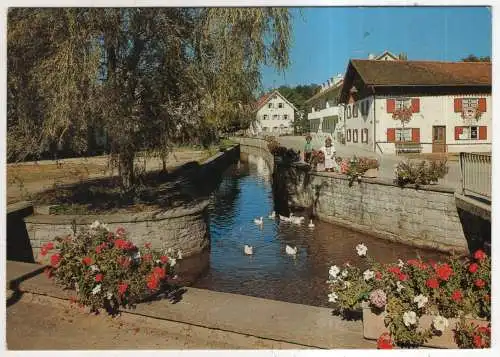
column 329, row 151
column 308, row 148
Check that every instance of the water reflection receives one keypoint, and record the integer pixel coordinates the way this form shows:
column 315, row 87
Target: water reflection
column 245, row 193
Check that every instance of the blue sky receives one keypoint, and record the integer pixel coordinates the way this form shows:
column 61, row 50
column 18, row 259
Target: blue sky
column 324, row 39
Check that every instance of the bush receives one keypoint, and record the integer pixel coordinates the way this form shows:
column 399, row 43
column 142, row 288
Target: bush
column 420, row 173
column 105, row 269
column 456, row 288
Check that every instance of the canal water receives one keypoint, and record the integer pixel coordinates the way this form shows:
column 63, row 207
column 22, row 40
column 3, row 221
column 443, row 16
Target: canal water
column 245, row 193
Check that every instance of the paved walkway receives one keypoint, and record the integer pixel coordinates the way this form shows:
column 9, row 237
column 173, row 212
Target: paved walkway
column 387, row 162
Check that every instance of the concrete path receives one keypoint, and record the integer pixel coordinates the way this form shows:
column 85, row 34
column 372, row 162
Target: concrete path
column 291, row 324
column 387, row 162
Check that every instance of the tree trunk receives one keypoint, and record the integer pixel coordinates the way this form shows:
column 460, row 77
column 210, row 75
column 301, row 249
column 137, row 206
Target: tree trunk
column 127, row 171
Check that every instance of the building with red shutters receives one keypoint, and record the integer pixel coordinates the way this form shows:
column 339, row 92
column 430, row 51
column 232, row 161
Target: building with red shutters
column 417, row 106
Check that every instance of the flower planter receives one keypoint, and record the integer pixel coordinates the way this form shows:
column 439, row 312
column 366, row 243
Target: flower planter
column 374, row 326
column 371, row 173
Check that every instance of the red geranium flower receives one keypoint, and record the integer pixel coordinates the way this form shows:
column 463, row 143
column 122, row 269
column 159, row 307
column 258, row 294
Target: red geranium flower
column 122, row 287
column 43, row 251
column 456, row 296
column 479, row 254
column 384, row 342
column 403, row 277
column 473, row 267
column 394, row 270
column 147, row 245
column 378, row 275
column 432, row 283
column 55, row 259
column 478, row 341
column 49, row 246
column 124, row 261
column 159, row 272
column 99, row 277
column 444, row 271
column 164, row 259
column 48, row 272
column 479, row 283
column 147, row 257
column 152, row 282
column 123, row 244
column 87, row 260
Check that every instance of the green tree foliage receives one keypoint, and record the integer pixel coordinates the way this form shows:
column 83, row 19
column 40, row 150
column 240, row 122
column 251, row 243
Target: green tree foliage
column 149, row 76
column 473, row 58
column 297, row 96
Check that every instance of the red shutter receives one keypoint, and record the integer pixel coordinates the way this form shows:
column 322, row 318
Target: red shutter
column 458, row 131
column 482, row 105
column 458, row 105
column 415, row 135
column 482, row 133
column 391, row 135
column 391, row 105
column 415, row 105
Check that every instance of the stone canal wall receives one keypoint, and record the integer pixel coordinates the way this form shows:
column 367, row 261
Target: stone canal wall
column 255, row 146
column 425, row 217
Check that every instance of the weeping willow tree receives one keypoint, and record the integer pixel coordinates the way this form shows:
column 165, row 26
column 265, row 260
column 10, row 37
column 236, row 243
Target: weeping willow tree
column 147, row 76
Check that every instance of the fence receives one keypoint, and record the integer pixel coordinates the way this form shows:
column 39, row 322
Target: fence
column 476, row 174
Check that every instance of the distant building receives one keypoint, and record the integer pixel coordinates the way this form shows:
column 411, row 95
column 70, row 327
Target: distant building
column 274, row 115
column 324, row 116
column 448, row 103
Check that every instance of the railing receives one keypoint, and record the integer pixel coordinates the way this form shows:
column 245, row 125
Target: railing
column 476, row 174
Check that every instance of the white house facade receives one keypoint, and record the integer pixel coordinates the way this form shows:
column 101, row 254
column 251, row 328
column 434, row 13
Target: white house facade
column 274, row 115
column 447, row 106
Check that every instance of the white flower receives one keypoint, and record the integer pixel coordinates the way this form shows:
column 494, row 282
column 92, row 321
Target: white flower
column 400, row 263
column 347, row 284
column 440, row 323
column 399, row 286
column 157, row 261
column 334, row 271
column 409, row 318
column 96, row 290
column 94, row 268
column 169, row 250
column 345, row 273
column 109, row 295
column 368, row 274
column 332, row 297
column 361, row 249
column 421, row 300
column 179, row 254
column 105, row 226
column 172, row 262
column 95, row 225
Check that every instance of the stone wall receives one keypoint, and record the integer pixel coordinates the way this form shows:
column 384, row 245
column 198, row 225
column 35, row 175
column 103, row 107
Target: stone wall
column 425, row 217
column 255, row 146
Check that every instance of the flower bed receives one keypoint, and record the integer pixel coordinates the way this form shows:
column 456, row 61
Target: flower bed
column 416, row 303
column 420, row 173
column 105, row 269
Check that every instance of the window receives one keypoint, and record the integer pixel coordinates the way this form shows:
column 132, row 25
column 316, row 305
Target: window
column 403, row 134
column 275, row 116
column 270, row 105
column 285, row 117
column 280, row 105
column 469, row 103
column 365, row 106
column 355, row 110
column 402, row 103
column 364, row 135
column 349, row 112
column 470, row 133
column 355, row 136
column 265, row 116
column 348, row 134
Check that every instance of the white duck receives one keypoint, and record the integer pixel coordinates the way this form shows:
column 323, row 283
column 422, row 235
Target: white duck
column 258, row 221
column 284, row 219
column 297, row 220
column 248, row 250
column 290, row 251
column 311, row 224
column 272, row 215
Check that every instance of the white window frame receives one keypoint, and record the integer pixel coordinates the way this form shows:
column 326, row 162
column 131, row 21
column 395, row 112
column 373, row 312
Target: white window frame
column 467, row 131
column 402, row 134
column 402, row 103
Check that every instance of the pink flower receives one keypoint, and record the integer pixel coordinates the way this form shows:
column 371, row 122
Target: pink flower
column 99, row 277
column 479, row 255
column 473, row 267
column 55, row 259
column 87, row 260
column 378, row 298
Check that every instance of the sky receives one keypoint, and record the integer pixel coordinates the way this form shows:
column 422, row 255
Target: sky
column 324, row 39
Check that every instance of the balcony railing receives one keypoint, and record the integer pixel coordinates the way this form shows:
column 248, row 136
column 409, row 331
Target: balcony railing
column 476, row 174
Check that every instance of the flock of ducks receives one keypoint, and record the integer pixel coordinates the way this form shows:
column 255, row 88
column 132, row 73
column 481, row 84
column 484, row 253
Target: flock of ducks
column 291, row 219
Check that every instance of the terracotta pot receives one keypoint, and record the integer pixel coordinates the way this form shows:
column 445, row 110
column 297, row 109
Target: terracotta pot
column 374, row 326
column 371, row 173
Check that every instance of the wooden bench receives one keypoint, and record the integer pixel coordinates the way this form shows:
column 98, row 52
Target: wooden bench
column 408, row 148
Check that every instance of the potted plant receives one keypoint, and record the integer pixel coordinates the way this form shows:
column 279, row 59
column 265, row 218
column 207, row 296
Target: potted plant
column 106, row 270
column 417, row 303
column 369, row 167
